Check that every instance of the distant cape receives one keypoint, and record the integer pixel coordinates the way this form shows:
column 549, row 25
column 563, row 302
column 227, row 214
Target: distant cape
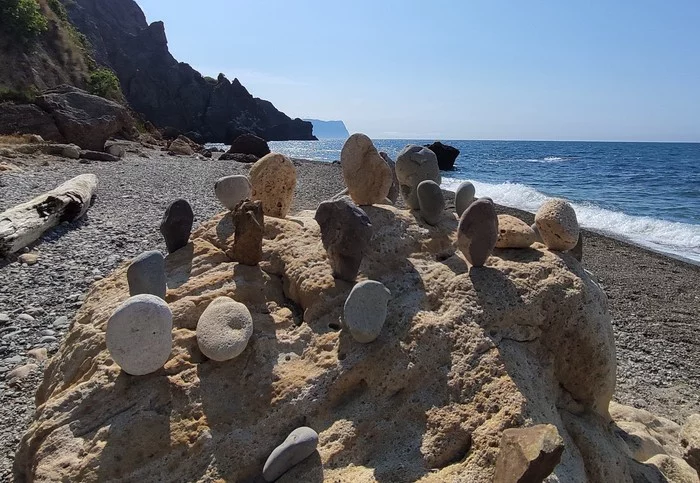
column 329, row 129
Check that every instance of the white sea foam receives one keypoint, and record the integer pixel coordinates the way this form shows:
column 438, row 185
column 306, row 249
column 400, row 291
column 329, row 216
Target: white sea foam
column 680, row 239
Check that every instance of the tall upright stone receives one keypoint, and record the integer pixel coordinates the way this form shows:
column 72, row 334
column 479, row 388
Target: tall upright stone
column 477, row 232
column 413, row 165
column 176, row 224
column 231, row 190
column 274, row 179
column 146, row 274
column 249, row 223
column 394, row 190
column 345, row 232
column 367, row 175
column 431, row 201
column 464, row 196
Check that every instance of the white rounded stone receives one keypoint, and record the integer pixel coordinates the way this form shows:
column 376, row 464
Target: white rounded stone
column 557, row 225
column 365, row 310
column 224, row 329
column 231, row 190
column 139, row 334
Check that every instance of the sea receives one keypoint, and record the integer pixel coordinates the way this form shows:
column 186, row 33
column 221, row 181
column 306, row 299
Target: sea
column 644, row 193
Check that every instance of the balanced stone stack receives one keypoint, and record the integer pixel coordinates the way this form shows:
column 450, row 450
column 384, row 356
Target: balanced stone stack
column 367, row 175
column 345, row 232
column 274, row 178
column 176, row 224
column 231, row 190
column 477, row 232
column 146, row 274
column 557, row 225
column 365, row 310
column 415, row 164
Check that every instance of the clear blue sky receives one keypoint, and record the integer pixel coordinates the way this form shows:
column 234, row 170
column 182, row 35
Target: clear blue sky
column 561, row 70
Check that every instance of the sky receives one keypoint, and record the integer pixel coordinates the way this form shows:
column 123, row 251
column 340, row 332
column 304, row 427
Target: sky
column 485, row 69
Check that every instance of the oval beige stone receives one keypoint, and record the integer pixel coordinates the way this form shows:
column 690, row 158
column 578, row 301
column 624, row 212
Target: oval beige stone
column 557, row 224
column 224, row 329
column 367, row 176
column 274, row 178
column 514, row 233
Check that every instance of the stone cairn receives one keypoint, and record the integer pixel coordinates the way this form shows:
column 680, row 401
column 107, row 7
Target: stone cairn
column 139, row 332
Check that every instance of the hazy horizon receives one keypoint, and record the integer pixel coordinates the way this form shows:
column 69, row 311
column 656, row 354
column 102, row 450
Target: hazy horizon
column 621, row 72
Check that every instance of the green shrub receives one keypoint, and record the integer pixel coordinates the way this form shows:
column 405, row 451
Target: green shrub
column 27, row 95
column 104, row 83
column 57, row 7
column 22, row 19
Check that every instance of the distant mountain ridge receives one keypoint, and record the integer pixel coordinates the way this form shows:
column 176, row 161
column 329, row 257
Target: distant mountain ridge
column 329, row 129
column 171, row 94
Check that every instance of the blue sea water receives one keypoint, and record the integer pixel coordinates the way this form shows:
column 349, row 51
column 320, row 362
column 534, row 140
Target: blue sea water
column 645, row 193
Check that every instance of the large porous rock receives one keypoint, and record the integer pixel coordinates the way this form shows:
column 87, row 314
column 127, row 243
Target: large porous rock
column 557, row 224
column 345, row 232
column 528, row 455
column 273, row 179
column 463, row 355
column 85, row 119
column 415, row 164
column 477, row 233
column 446, row 154
column 30, row 119
column 249, row 144
column 367, row 175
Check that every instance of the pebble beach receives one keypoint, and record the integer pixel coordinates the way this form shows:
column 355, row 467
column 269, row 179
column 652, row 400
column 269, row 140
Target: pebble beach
column 653, row 299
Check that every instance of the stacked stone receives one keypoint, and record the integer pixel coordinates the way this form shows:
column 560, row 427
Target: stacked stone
column 366, row 173
column 365, row 310
column 274, row 178
column 224, row 329
column 231, row 190
column 176, row 224
column 514, row 233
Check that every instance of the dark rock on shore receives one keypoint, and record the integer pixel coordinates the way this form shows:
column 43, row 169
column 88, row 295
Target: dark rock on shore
column 28, row 118
column 170, row 93
column 249, row 144
column 446, row 155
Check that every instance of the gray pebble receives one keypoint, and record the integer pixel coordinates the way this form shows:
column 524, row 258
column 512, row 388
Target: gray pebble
column 47, row 339
column 60, row 322
column 25, row 318
column 464, row 196
column 231, row 190
column 431, row 201
column 299, row 445
column 146, row 274
column 4, row 318
column 365, row 310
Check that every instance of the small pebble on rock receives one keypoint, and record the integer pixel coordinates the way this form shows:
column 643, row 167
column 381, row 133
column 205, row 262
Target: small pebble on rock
column 431, row 201
column 413, row 165
column 464, row 196
column 299, row 445
column 29, row 258
column 365, row 310
column 231, row 190
column 139, row 334
column 224, row 329
column 146, row 274
column 557, row 224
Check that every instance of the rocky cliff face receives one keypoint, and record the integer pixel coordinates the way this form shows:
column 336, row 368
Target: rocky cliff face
column 171, row 93
column 464, row 354
column 329, row 129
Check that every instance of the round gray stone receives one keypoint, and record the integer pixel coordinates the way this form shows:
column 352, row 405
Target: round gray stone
column 431, row 201
column 139, row 334
column 365, row 310
column 477, row 232
column 146, row 274
column 413, row 165
column 464, row 196
column 299, row 445
column 224, row 329
column 231, row 190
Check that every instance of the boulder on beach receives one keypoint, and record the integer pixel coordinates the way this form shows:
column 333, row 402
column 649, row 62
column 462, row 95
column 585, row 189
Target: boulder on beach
column 28, row 118
column 463, row 356
column 181, row 146
column 249, row 144
column 446, row 155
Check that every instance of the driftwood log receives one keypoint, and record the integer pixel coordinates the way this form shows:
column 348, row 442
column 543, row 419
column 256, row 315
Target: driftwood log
column 25, row 223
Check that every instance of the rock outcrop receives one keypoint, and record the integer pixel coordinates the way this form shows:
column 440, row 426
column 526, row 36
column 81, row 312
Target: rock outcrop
column 462, row 357
column 169, row 93
column 446, row 154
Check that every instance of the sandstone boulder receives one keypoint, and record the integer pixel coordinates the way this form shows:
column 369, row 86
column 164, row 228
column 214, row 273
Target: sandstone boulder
column 514, row 233
column 179, row 146
column 273, row 179
column 464, row 356
column 367, row 175
column 413, row 165
column 690, row 441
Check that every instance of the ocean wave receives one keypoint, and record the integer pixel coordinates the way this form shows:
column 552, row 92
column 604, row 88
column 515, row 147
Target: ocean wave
column 679, row 239
column 544, row 160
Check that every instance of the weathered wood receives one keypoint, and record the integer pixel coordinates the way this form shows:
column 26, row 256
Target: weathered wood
column 25, row 223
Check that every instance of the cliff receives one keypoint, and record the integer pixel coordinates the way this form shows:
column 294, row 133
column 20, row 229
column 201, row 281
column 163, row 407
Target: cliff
column 169, row 93
column 329, row 129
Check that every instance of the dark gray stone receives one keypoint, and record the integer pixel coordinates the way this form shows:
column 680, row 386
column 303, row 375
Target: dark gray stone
column 98, row 156
column 394, row 190
column 431, row 201
column 299, row 445
column 176, row 225
column 446, row 155
column 464, row 196
column 146, row 274
column 345, row 232
column 477, row 233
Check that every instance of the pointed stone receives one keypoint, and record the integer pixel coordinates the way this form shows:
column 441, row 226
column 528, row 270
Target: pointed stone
column 528, row 455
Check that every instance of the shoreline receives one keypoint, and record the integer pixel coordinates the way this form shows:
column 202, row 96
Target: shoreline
column 653, row 298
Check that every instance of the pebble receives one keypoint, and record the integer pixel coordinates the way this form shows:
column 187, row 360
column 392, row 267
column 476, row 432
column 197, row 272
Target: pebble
column 367, row 175
column 25, row 318
column 345, row 232
column 13, row 360
column 477, row 232
column 146, row 274
column 176, row 225
column 299, row 445
column 4, row 318
column 60, row 322
column 139, row 334
column 413, row 165
column 365, row 310
column 40, row 354
column 514, row 233
column 224, row 329
column 48, row 332
column 29, row 258
column 557, row 224
column 47, row 339
column 274, row 179
column 231, row 190
column 464, row 196
column 19, row 373
column 431, row 201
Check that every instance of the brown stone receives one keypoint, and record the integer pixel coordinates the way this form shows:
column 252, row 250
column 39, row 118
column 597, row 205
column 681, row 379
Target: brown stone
column 528, row 455
column 557, row 225
column 514, row 233
column 478, row 232
column 249, row 223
